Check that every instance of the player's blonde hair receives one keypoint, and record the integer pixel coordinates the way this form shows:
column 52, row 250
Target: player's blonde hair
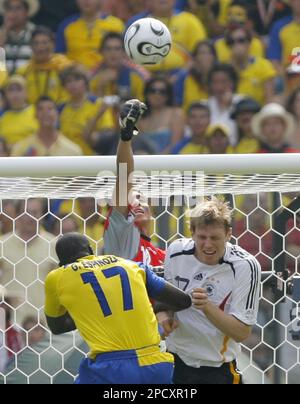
column 212, row 211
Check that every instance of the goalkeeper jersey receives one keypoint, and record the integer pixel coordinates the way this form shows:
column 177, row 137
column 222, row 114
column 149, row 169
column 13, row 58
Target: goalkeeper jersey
column 123, row 238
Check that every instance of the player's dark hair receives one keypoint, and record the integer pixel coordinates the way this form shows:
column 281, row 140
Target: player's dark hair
column 72, row 246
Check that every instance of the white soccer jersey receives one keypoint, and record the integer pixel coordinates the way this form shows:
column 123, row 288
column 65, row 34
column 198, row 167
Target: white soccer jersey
column 232, row 285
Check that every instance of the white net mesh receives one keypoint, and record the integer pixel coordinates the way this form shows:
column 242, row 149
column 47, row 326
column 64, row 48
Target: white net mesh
column 266, row 223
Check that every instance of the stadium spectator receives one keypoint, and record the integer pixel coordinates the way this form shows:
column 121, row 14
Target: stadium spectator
column 42, row 71
column 273, row 125
column 283, row 38
column 117, row 75
column 27, row 256
column 119, row 336
column 198, row 119
column 217, row 140
column 293, row 106
column 128, row 226
column 80, row 36
column 18, row 120
column 180, row 24
column 16, row 31
column 83, row 118
column 63, row 224
column 35, row 331
column 243, row 113
column 256, row 75
column 8, row 214
column 162, row 123
column 237, row 17
column 223, row 81
column 47, row 141
column 206, row 343
column 191, row 84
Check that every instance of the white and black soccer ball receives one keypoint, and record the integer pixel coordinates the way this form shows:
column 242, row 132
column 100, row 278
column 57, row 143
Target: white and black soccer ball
column 147, row 41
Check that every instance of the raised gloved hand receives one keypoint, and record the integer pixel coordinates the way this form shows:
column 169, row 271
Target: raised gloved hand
column 130, row 113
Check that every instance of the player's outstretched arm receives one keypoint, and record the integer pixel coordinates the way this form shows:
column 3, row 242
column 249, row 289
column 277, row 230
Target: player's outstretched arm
column 130, row 113
column 62, row 324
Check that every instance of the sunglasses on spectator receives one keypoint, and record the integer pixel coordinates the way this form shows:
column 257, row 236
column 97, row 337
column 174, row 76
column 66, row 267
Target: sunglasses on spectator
column 241, row 40
column 161, row 91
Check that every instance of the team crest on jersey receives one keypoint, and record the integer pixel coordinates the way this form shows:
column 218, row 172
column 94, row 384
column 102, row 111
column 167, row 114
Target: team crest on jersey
column 198, row 277
column 211, row 289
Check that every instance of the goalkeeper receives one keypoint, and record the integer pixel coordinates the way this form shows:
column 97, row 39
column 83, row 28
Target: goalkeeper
column 127, row 230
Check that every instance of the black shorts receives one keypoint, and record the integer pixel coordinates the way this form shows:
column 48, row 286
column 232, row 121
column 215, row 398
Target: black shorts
column 226, row 374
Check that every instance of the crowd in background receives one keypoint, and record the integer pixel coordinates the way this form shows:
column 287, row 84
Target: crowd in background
column 231, row 84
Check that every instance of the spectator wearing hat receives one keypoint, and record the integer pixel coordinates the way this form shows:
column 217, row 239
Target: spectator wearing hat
column 18, row 120
column 42, row 71
column 16, row 31
column 243, row 113
column 218, row 140
column 236, row 17
column 273, row 125
column 256, row 74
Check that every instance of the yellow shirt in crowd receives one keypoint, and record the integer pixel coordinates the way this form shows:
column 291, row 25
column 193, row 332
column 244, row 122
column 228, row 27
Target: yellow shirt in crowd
column 81, row 41
column 73, row 121
column 43, row 79
column 257, row 49
column 289, row 38
column 32, row 147
column 18, row 125
column 253, row 78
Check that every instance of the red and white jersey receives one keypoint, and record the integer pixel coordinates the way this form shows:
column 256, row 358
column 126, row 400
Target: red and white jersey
column 123, row 239
column 232, row 285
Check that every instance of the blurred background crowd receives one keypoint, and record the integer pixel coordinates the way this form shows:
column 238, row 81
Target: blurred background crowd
column 231, row 84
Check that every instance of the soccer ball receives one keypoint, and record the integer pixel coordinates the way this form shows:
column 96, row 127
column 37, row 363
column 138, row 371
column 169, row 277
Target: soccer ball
column 147, row 41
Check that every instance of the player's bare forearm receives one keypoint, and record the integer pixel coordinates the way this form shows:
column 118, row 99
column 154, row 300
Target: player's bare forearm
column 226, row 323
column 61, row 325
column 172, row 299
column 125, row 167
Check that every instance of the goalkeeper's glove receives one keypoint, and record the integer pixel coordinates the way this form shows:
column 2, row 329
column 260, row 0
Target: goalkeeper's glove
column 130, row 113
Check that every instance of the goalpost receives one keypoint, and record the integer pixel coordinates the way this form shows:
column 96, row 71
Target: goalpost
column 262, row 190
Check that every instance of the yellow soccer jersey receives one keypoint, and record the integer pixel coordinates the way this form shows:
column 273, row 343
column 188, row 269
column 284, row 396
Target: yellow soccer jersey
column 257, row 49
column 81, row 41
column 107, row 297
column 18, row 125
column 252, row 79
column 73, row 121
column 43, row 79
column 186, row 31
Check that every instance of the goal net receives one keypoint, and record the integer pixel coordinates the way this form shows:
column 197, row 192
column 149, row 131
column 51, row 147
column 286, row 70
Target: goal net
column 42, row 198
